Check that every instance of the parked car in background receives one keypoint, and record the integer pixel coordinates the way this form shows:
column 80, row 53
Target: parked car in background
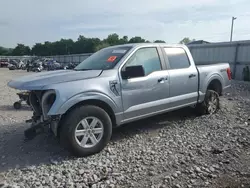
column 23, row 63
column 54, row 65
column 13, row 64
column 16, row 64
column 46, row 62
column 117, row 85
column 37, row 66
column 4, row 62
column 71, row 65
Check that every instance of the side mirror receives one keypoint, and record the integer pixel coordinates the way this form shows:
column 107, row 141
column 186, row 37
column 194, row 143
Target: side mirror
column 133, row 72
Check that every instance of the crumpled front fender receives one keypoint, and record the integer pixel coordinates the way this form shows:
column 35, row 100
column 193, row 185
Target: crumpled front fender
column 58, row 109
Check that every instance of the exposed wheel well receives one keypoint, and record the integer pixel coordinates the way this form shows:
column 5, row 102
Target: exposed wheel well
column 215, row 85
column 94, row 102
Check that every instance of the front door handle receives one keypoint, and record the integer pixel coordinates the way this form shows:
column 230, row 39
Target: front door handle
column 192, row 75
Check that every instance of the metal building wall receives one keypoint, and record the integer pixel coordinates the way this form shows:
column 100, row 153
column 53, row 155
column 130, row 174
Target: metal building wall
column 237, row 54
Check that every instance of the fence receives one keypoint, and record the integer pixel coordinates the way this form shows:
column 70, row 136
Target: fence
column 74, row 58
column 15, row 57
column 237, row 54
column 65, row 59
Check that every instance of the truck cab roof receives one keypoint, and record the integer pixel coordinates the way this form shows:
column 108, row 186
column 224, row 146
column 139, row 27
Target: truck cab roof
column 148, row 44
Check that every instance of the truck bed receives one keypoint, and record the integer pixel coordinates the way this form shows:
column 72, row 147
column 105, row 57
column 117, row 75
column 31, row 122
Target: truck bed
column 207, row 73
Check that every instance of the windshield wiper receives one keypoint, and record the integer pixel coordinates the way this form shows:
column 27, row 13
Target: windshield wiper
column 82, row 69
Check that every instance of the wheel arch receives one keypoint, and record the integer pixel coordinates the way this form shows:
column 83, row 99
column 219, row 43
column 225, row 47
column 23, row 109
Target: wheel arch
column 215, row 85
column 95, row 102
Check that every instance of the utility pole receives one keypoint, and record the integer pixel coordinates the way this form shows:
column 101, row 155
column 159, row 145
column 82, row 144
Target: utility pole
column 232, row 28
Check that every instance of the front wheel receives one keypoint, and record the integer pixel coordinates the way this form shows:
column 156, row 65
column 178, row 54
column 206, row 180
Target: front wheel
column 85, row 130
column 210, row 105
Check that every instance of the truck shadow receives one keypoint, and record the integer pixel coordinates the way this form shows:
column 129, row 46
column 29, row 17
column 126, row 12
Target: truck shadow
column 152, row 124
column 45, row 149
column 18, row 153
column 11, row 108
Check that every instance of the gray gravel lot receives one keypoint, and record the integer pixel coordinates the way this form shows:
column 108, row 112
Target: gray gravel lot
column 176, row 149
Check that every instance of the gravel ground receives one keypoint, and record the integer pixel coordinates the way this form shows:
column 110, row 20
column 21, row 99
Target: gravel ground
column 171, row 150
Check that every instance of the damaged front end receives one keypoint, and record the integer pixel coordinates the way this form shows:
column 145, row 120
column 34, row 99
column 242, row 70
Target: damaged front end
column 41, row 102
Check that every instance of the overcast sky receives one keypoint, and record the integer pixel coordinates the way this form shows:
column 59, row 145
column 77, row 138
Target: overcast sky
column 31, row 21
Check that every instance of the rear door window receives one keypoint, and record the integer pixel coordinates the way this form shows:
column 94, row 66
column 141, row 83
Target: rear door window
column 177, row 58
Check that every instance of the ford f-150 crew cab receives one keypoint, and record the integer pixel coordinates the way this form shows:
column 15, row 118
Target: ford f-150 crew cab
column 117, row 85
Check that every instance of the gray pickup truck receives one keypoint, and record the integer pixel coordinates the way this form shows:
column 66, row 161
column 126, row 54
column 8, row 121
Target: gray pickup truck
column 117, row 85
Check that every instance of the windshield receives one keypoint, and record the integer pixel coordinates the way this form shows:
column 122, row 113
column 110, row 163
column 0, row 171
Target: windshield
column 104, row 59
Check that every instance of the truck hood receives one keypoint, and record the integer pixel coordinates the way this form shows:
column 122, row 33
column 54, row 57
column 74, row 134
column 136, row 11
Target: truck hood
column 37, row 81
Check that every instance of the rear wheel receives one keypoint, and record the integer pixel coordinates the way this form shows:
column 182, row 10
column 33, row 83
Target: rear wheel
column 85, row 130
column 210, row 105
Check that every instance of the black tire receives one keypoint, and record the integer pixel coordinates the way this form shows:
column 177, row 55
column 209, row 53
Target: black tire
column 28, row 102
column 70, row 122
column 205, row 107
column 17, row 105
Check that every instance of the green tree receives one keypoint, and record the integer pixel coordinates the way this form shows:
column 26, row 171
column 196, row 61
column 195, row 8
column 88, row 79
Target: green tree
column 5, row 51
column 186, row 40
column 159, row 41
column 85, row 45
column 112, row 39
column 40, row 49
column 21, row 49
column 68, row 46
column 101, row 46
column 136, row 40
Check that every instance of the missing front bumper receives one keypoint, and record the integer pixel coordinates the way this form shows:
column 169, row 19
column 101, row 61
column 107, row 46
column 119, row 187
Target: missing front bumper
column 35, row 130
column 38, row 127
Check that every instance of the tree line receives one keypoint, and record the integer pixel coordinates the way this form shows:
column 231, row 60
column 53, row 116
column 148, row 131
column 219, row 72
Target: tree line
column 68, row 46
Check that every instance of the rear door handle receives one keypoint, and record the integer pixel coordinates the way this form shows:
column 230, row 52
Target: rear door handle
column 192, row 75
column 160, row 79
